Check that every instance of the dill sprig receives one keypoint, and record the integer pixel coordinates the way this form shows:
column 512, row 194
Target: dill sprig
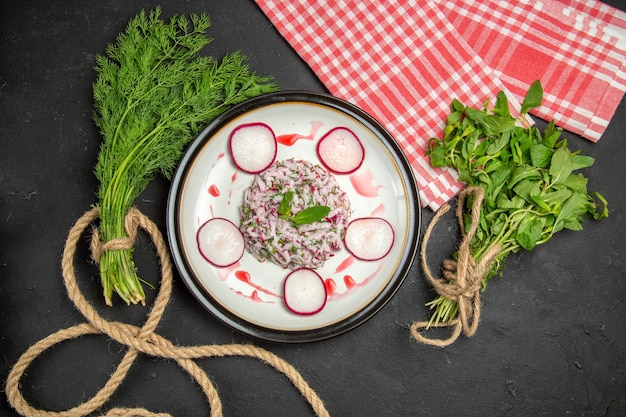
column 153, row 94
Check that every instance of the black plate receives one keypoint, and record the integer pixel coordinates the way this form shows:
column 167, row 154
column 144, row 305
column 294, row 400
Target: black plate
column 248, row 296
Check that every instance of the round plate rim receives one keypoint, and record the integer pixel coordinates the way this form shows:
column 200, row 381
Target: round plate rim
column 298, row 336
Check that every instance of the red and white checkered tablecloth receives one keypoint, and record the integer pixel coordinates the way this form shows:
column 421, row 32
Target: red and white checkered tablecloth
column 404, row 62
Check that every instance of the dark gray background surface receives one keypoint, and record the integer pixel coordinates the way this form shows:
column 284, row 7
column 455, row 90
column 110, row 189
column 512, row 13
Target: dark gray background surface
column 552, row 341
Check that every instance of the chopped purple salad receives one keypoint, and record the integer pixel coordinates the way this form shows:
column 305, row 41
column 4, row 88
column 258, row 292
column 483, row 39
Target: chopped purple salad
column 270, row 236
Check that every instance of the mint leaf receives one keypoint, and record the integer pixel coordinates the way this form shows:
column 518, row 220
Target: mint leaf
column 561, row 165
column 284, row 210
column 551, row 134
column 501, row 107
column 529, row 232
column 534, row 97
column 582, row 161
column 540, row 155
column 310, row 215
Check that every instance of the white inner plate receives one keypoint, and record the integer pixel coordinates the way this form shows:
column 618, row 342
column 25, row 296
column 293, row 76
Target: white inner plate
column 248, row 295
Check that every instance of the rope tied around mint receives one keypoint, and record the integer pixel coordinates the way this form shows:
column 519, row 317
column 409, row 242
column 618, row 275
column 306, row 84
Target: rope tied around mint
column 138, row 339
column 462, row 278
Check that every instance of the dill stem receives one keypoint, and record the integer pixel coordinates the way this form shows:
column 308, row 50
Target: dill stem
column 117, row 268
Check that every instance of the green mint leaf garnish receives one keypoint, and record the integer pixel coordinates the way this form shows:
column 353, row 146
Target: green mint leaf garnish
column 308, row 215
column 311, row 215
column 284, row 210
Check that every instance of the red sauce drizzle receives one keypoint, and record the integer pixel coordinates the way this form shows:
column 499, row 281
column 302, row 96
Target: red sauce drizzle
column 345, row 264
column 331, row 286
column 223, row 273
column 380, row 209
column 349, row 281
column 290, row 139
column 213, row 190
column 244, row 276
column 255, row 296
column 363, row 183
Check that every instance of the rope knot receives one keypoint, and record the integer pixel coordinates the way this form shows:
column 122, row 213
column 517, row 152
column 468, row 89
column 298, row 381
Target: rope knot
column 462, row 278
column 132, row 222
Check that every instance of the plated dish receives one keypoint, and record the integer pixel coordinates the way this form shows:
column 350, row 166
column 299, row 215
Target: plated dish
column 248, row 295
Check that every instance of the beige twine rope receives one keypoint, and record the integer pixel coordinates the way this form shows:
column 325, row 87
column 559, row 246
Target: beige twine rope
column 138, row 339
column 462, row 279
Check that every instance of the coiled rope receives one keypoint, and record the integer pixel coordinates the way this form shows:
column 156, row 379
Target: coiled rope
column 138, row 339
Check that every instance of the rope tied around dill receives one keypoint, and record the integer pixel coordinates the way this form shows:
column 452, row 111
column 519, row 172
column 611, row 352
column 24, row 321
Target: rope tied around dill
column 142, row 339
column 462, row 278
column 131, row 226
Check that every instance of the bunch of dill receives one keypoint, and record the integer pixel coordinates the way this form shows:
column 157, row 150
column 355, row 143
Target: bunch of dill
column 154, row 93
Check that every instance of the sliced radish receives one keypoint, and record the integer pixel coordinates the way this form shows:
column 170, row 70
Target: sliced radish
column 253, row 147
column 220, row 242
column 304, row 292
column 341, row 151
column 369, row 238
